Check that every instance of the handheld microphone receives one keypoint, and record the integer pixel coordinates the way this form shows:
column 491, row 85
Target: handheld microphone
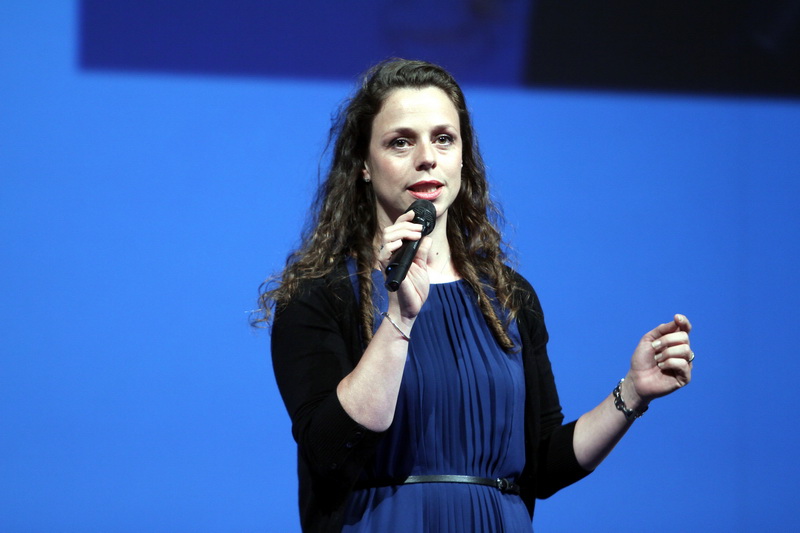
column 399, row 263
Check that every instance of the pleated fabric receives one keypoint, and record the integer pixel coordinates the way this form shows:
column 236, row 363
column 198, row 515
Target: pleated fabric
column 460, row 411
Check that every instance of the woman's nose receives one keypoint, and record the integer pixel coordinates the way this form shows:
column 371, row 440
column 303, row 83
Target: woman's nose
column 426, row 156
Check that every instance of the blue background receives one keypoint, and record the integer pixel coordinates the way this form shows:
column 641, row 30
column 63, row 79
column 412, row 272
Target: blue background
column 140, row 211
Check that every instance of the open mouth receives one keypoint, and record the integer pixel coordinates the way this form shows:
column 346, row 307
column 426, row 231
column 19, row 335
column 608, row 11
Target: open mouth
column 426, row 190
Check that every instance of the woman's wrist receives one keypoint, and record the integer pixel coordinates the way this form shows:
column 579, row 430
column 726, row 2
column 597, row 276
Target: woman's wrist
column 633, row 400
column 403, row 333
column 399, row 317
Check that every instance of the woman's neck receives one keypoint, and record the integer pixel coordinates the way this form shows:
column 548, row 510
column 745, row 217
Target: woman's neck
column 441, row 268
column 440, row 261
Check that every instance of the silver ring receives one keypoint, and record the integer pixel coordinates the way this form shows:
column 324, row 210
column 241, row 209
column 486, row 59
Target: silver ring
column 691, row 356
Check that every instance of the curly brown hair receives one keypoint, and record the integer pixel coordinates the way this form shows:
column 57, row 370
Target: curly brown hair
column 476, row 246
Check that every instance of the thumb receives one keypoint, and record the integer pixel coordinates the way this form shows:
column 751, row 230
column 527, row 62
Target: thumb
column 422, row 251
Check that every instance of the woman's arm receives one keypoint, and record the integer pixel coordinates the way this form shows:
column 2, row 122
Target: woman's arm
column 369, row 393
column 660, row 365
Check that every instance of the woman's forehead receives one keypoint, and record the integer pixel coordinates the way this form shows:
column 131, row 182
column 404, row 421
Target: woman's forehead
column 428, row 104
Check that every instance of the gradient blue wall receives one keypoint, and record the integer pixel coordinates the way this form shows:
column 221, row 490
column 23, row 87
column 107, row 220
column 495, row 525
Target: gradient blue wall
column 138, row 214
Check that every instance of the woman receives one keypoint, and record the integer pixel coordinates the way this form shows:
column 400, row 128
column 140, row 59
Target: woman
column 432, row 407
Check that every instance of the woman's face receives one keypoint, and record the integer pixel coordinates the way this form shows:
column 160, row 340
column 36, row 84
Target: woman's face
column 415, row 152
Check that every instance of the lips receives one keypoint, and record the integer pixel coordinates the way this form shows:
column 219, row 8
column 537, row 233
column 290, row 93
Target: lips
column 426, row 190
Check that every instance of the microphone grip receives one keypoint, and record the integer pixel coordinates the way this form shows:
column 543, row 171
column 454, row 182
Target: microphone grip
column 399, row 264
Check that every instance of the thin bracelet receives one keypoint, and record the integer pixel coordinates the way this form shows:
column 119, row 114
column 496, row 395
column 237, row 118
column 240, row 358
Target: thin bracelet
column 400, row 331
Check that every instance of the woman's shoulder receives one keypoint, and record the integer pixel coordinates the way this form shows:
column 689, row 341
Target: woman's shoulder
column 332, row 288
column 529, row 314
column 518, row 278
column 523, row 288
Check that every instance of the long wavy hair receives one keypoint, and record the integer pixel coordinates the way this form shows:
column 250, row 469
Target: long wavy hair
column 476, row 246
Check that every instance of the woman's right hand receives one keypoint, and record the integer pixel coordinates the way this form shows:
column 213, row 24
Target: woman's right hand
column 369, row 393
column 407, row 302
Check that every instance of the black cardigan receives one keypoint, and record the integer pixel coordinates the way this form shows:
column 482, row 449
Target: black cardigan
column 316, row 343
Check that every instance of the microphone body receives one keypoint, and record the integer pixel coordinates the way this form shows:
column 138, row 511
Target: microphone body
column 400, row 262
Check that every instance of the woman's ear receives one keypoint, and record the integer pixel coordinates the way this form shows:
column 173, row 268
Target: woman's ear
column 365, row 171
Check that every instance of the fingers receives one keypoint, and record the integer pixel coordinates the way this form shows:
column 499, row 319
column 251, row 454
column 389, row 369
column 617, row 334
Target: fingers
column 400, row 231
column 663, row 358
column 679, row 323
column 393, row 236
column 669, row 340
column 673, row 353
column 680, row 370
column 413, row 291
column 681, row 351
column 683, row 323
column 672, row 346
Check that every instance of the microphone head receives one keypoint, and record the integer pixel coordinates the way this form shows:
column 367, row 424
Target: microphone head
column 425, row 214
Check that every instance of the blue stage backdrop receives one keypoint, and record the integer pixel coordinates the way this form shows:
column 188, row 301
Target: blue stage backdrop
column 140, row 210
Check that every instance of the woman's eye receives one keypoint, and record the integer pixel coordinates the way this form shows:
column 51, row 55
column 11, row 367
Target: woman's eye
column 444, row 139
column 400, row 143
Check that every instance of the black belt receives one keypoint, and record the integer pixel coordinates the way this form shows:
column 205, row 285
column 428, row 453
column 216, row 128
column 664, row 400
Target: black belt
column 502, row 484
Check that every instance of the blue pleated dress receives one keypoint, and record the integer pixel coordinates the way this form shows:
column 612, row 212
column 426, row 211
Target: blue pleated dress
column 460, row 411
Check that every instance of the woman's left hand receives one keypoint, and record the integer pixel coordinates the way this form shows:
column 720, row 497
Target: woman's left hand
column 662, row 362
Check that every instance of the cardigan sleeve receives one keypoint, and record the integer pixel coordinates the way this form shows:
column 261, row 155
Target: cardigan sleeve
column 551, row 461
column 312, row 350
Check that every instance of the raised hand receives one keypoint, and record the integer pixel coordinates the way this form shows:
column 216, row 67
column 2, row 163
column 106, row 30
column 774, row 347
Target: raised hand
column 414, row 289
column 662, row 361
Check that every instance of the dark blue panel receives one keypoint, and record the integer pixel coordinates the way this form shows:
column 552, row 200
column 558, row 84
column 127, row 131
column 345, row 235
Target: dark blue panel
column 479, row 41
column 748, row 47
column 705, row 46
